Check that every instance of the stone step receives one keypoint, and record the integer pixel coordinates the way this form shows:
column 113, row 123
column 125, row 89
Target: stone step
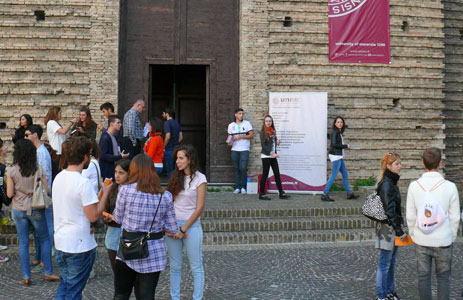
column 11, row 239
column 296, row 236
column 283, row 212
column 285, row 224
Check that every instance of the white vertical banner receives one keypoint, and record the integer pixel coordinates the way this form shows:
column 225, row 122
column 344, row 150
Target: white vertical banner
column 300, row 121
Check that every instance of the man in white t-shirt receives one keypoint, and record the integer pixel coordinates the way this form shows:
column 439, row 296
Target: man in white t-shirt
column 75, row 205
column 240, row 133
column 433, row 217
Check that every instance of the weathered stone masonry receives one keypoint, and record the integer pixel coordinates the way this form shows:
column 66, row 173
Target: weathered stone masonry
column 396, row 107
column 71, row 58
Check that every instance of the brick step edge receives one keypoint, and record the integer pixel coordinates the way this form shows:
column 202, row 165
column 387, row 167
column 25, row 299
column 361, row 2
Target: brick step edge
column 283, row 212
column 286, row 224
column 289, row 237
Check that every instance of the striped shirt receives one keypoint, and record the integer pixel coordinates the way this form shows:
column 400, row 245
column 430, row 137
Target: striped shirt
column 135, row 211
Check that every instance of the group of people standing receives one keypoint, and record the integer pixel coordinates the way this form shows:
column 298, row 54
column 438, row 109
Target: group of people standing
column 240, row 134
column 79, row 197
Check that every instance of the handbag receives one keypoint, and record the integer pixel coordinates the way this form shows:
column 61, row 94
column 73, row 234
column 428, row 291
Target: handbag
column 40, row 199
column 137, row 248
column 373, row 208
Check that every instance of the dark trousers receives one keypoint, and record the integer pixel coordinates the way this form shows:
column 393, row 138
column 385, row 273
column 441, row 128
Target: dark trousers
column 128, row 147
column 125, row 279
column 267, row 163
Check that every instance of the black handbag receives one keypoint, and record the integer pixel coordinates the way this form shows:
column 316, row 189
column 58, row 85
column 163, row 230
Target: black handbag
column 3, row 197
column 137, row 248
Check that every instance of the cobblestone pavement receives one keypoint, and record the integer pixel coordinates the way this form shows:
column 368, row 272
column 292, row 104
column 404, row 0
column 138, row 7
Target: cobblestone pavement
column 256, row 272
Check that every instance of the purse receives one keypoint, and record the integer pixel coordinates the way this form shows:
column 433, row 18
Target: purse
column 137, row 247
column 40, row 199
column 373, row 208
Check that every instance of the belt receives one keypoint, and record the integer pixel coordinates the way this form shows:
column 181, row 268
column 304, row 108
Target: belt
column 134, row 235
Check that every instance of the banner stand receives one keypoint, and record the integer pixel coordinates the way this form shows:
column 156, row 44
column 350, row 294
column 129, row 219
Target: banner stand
column 301, row 124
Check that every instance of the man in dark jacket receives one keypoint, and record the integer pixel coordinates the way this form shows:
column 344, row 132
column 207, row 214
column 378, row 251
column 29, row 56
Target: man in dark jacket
column 110, row 148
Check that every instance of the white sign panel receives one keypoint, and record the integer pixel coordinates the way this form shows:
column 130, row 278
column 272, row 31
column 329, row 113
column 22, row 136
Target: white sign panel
column 300, row 121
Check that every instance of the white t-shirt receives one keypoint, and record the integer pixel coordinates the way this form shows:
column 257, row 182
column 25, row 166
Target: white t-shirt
column 186, row 201
column 71, row 192
column 93, row 173
column 56, row 139
column 242, row 129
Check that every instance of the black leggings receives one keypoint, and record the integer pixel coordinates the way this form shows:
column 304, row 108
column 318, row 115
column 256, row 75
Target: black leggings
column 125, row 279
column 267, row 163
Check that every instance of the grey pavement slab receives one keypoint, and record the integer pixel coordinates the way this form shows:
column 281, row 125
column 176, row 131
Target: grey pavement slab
column 255, row 272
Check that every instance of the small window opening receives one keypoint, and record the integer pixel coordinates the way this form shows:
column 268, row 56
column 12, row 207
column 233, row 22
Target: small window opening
column 39, row 15
column 288, row 22
column 405, row 26
column 396, row 102
column 2, row 125
column 418, row 126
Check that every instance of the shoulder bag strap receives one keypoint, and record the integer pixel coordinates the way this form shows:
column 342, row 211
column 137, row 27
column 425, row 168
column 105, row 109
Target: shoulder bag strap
column 149, row 231
column 98, row 174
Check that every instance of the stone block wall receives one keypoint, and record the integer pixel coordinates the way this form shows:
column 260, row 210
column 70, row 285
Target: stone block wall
column 453, row 90
column 56, row 53
column 396, row 107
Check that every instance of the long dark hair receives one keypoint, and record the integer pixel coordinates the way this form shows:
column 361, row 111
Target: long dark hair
column 28, row 121
column 25, row 156
column 156, row 124
column 125, row 165
column 264, row 131
column 176, row 182
column 88, row 120
column 344, row 126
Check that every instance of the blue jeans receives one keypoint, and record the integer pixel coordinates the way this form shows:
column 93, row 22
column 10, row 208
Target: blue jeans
column 338, row 165
column 169, row 160
column 240, row 162
column 193, row 246
column 38, row 222
column 443, row 260
column 385, row 272
column 75, row 269
column 49, row 217
column 158, row 171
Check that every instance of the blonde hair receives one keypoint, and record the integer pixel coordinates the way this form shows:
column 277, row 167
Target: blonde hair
column 387, row 159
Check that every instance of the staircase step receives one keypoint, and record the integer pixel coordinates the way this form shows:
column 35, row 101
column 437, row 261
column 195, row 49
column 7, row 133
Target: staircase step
column 296, row 236
column 285, row 224
column 11, row 239
column 283, row 212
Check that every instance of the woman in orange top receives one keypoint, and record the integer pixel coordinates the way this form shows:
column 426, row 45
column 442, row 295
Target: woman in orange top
column 154, row 145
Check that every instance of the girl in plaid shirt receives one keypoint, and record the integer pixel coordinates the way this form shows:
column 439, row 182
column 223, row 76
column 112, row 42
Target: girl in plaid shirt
column 135, row 208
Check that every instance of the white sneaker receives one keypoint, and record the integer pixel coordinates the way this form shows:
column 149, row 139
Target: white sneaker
column 243, row 191
column 3, row 259
column 237, row 191
column 3, row 247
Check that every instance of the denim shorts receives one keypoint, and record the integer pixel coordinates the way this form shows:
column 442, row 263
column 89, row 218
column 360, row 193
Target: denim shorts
column 112, row 238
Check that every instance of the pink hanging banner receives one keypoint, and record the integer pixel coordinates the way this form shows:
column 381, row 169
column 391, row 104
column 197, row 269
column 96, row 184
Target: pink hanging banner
column 359, row 31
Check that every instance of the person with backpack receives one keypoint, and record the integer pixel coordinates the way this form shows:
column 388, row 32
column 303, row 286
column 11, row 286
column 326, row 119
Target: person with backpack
column 433, row 216
column 386, row 231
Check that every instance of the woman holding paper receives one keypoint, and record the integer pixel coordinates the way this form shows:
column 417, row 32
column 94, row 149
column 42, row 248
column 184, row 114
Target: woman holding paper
column 386, row 232
column 269, row 142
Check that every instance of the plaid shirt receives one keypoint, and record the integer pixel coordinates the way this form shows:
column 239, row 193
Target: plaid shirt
column 135, row 211
column 132, row 126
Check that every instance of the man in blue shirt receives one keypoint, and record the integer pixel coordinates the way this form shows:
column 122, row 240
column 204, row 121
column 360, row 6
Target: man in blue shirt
column 34, row 134
column 173, row 137
column 132, row 129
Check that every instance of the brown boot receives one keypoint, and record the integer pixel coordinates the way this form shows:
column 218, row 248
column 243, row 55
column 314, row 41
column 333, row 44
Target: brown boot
column 51, row 277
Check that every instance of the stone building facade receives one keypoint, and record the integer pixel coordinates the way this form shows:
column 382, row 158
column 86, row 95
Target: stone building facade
column 71, row 58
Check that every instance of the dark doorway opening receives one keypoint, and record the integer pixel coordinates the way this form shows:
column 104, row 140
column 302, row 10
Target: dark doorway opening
column 185, row 89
